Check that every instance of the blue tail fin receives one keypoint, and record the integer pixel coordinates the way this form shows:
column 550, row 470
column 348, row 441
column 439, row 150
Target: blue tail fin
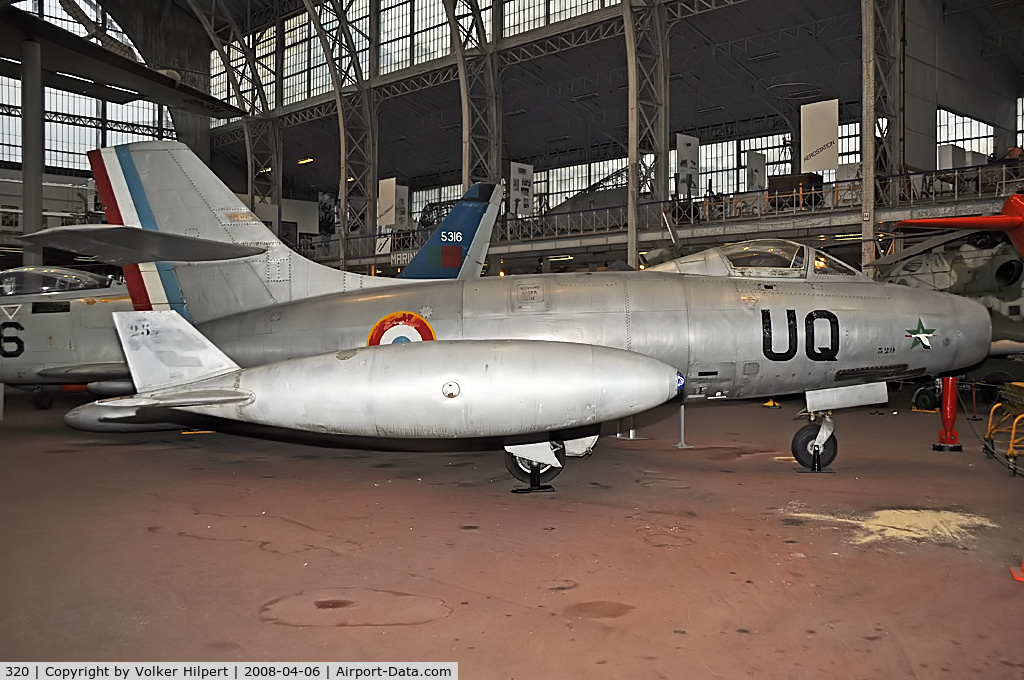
column 458, row 247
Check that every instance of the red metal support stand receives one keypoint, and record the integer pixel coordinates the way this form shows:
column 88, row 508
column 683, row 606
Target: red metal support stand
column 949, row 440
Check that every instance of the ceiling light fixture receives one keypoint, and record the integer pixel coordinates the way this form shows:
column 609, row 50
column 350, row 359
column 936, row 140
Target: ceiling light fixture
column 710, row 109
column 303, row 161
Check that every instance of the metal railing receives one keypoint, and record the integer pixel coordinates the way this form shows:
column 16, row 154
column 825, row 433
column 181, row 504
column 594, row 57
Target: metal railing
column 915, row 189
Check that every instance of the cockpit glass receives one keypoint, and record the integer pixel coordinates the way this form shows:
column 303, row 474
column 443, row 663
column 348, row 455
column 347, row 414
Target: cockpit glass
column 765, row 253
column 34, row 280
column 828, row 265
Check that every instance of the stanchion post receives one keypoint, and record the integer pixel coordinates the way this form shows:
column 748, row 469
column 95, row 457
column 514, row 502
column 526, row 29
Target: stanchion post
column 682, row 429
column 949, row 440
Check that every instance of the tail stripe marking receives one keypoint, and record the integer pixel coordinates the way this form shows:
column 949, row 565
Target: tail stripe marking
column 132, row 276
column 159, row 274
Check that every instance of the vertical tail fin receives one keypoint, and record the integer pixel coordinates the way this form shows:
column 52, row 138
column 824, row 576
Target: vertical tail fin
column 163, row 186
column 164, row 350
column 458, row 247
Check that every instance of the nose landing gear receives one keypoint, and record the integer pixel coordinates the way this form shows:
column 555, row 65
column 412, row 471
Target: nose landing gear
column 814, row 444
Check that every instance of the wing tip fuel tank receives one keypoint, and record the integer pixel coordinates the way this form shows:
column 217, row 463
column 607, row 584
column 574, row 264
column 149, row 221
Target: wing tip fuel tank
column 438, row 389
column 455, row 389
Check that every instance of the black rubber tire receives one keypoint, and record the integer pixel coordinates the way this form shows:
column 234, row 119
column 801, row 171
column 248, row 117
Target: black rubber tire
column 520, row 467
column 926, row 399
column 42, row 400
column 802, row 441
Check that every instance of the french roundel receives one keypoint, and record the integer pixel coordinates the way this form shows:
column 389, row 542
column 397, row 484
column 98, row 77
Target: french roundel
column 400, row 327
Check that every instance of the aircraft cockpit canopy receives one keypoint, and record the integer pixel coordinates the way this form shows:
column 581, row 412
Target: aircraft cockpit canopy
column 39, row 280
column 762, row 259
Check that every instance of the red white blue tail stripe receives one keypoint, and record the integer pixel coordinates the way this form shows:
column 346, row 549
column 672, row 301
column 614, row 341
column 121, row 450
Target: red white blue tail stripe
column 152, row 285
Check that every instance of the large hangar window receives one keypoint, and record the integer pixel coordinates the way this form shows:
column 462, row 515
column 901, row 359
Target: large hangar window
column 415, row 31
column 431, row 37
column 968, row 133
column 778, row 153
column 85, row 123
column 524, row 15
column 423, row 197
column 395, row 34
column 263, row 45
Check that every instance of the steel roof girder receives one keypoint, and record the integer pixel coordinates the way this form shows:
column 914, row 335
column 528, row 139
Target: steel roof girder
column 478, row 90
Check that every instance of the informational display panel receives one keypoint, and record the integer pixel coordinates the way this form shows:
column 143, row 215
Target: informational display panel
column 520, row 188
column 687, row 165
column 392, row 204
column 756, row 170
column 819, row 136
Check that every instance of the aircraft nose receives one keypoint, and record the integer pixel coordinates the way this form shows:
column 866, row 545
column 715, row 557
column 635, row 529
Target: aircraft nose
column 975, row 326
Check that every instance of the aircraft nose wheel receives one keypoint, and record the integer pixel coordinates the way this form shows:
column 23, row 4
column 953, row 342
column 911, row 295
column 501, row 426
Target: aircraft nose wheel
column 809, row 453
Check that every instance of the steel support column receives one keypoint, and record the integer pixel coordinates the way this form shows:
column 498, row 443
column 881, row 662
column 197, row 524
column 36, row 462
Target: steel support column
column 479, row 89
column 867, row 135
column 357, row 125
column 32, row 148
column 890, row 43
column 264, row 153
column 647, row 67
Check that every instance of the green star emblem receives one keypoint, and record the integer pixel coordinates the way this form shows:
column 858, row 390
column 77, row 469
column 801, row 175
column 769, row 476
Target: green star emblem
column 921, row 335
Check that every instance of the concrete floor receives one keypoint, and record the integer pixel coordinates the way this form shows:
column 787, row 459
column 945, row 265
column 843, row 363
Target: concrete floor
column 648, row 562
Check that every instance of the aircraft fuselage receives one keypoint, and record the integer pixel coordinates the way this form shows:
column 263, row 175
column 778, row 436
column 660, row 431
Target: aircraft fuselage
column 730, row 337
column 61, row 337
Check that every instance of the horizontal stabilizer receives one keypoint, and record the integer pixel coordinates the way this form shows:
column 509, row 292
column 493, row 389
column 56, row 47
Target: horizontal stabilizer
column 121, row 245
column 114, row 370
column 164, row 350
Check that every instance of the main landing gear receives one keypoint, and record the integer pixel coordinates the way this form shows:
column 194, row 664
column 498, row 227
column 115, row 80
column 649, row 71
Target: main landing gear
column 814, row 444
column 41, row 399
column 538, row 462
column 537, row 475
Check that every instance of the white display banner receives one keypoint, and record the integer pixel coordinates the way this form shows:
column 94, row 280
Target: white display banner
column 687, row 165
column 819, row 136
column 520, row 188
column 401, row 207
column 757, row 164
column 386, row 198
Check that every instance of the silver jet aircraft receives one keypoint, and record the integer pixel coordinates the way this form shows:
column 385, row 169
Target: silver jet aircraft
column 749, row 320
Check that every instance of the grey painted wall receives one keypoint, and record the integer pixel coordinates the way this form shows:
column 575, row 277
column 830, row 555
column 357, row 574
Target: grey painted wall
column 945, row 69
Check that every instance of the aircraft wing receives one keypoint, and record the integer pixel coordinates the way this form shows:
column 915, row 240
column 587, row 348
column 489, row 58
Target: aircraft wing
column 984, row 222
column 923, row 246
column 83, row 373
column 121, row 245
column 1009, row 220
column 190, row 397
